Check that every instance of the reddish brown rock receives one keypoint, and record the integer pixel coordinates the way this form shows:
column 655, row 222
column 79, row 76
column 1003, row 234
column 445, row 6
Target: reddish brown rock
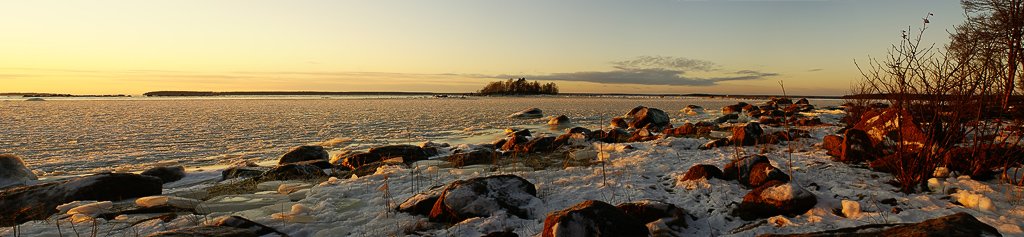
column 775, row 198
column 592, row 218
column 702, row 172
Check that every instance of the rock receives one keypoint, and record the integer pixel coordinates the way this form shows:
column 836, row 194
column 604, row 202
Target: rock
column 726, row 118
column 762, row 173
column 768, row 120
column 409, row 153
column 499, row 143
column 615, row 135
column 721, row 142
column 851, row 209
column 881, row 127
column 684, row 130
column 618, row 123
column 528, row 113
column 780, row 101
column 241, row 172
column 515, row 143
column 658, row 216
column 959, row 224
column 641, row 135
column 592, row 218
column 833, row 145
column 702, row 172
column 732, row 109
column 775, row 198
column 507, row 233
column 304, row 153
column 808, row 122
column 473, row 157
column 292, row 171
column 520, row 133
column 803, row 101
column 242, row 223
column 433, row 149
column 655, row 118
column 746, row 135
column 14, row 172
column 857, row 147
column 540, row 144
column 582, row 130
column 560, row 120
column 37, row 202
column 167, row 174
column 741, row 169
column 483, row 197
column 980, row 161
column 692, row 110
column 158, row 201
column 422, row 203
column 206, row 231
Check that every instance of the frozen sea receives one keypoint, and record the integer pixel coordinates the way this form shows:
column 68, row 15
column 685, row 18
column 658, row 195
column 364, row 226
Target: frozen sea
column 59, row 137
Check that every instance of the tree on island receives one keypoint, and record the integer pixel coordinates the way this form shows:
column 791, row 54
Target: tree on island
column 519, row 86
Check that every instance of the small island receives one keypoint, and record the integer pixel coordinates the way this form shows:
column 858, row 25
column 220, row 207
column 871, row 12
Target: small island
column 519, row 86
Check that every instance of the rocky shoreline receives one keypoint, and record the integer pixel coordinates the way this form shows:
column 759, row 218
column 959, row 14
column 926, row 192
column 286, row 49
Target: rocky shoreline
column 785, row 170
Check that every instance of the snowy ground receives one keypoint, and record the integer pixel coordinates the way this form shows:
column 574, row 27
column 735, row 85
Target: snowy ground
column 360, row 206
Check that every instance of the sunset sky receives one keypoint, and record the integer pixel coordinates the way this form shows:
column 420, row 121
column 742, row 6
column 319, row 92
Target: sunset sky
column 681, row 46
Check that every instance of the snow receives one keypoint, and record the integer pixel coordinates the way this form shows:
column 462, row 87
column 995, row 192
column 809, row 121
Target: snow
column 784, row 192
column 974, row 200
column 92, row 209
column 155, row 201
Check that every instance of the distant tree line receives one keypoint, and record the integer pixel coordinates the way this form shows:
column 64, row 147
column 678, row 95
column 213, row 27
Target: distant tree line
column 519, row 86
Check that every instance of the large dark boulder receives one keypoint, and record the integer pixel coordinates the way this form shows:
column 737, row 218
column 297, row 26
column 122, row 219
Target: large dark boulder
column 593, row 218
column 775, row 198
column 14, row 172
column 956, row 225
column 304, row 153
column 167, row 173
column 483, row 197
column 37, row 202
column 293, row 171
column 473, row 157
column 540, row 144
column 732, row 109
column 409, row 153
column 618, row 123
column 702, row 172
column 746, row 135
column 515, row 143
column 644, row 117
column 354, row 160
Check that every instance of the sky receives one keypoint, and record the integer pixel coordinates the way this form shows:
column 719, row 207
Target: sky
column 596, row 46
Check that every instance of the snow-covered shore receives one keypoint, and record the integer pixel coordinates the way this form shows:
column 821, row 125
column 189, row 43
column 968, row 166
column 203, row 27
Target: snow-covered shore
column 847, row 196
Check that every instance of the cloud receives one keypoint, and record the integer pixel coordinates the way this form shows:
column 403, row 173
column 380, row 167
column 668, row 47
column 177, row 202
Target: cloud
column 656, row 70
column 815, row 70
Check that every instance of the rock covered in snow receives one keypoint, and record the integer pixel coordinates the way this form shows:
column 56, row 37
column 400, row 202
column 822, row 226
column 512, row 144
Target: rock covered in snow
column 304, row 153
column 37, row 202
column 880, row 125
column 959, row 224
column 485, row 196
column 158, row 201
column 166, row 173
column 473, row 157
column 974, row 200
column 851, row 209
column 592, row 218
column 775, row 198
column 14, row 172
column 560, row 120
column 702, row 171
column 528, row 113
